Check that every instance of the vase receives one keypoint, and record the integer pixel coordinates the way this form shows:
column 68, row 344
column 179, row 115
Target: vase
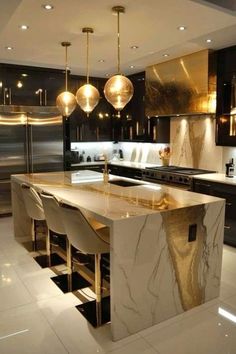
column 165, row 161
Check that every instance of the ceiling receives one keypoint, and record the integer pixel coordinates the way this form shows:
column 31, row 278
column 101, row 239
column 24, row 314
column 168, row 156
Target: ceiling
column 150, row 24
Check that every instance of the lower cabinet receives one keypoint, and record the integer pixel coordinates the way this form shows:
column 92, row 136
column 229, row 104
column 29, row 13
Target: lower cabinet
column 228, row 192
column 97, row 168
column 123, row 171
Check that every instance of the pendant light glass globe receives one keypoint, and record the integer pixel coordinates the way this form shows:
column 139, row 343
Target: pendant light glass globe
column 87, row 96
column 66, row 101
column 118, row 89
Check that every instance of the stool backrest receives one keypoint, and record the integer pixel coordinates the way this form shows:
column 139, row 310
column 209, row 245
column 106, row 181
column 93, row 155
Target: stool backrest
column 52, row 213
column 80, row 233
column 33, row 203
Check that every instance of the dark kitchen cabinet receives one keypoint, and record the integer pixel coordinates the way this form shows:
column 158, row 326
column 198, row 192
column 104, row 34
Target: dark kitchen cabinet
column 228, row 192
column 226, row 72
column 123, row 171
column 159, row 129
column 96, row 126
column 33, row 86
column 133, row 122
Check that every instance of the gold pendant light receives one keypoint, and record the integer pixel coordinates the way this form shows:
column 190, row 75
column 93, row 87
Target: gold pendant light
column 87, row 95
column 118, row 89
column 66, row 101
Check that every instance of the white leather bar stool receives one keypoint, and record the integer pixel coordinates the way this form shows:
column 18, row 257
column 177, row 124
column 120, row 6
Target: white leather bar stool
column 93, row 242
column 35, row 211
column 72, row 280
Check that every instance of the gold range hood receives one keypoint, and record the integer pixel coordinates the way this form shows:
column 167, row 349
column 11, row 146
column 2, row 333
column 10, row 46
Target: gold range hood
column 182, row 86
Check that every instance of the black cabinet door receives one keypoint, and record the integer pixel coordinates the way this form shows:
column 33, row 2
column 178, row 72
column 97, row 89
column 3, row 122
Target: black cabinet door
column 226, row 72
column 133, row 121
column 160, row 129
column 97, row 125
column 228, row 193
column 25, row 85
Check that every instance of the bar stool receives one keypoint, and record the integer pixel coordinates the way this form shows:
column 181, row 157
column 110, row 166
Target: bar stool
column 93, row 242
column 35, row 211
column 72, row 280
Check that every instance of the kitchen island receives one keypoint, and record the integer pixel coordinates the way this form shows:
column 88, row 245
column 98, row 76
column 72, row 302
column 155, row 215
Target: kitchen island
column 165, row 243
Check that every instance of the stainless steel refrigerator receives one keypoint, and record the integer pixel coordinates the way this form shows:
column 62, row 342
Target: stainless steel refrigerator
column 29, row 143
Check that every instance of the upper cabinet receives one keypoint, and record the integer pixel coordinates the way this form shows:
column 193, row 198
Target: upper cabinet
column 24, row 85
column 226, row 96
column 96, row 126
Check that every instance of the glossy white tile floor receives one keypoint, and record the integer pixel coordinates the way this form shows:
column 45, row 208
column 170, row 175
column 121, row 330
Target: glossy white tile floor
column 36, row 318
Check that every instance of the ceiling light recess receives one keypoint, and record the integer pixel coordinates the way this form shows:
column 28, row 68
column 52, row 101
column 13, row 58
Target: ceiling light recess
column 118, row 89
column 182, row 28
column 48, row 7
column 9, row 48
column 66, row 101
column 24, row 27
column 208, row 40
column 87, row 95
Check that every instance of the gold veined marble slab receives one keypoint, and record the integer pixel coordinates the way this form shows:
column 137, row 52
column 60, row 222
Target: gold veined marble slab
column 156, row 270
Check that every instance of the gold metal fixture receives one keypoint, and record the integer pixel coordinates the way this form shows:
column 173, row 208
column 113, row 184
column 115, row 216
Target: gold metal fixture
column 87, row 95
column 118, row 89
column 66, row 101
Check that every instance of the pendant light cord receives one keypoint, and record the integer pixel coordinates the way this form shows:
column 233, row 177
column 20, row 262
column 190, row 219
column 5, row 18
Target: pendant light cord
column 118, row 41
column 87, row 58
column 66, row 78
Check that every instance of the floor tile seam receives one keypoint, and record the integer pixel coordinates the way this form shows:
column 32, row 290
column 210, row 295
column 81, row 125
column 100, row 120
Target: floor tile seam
column 18, row 306
column 180, row 320
column 52, row 328
column 125, row 344
column 32, row 295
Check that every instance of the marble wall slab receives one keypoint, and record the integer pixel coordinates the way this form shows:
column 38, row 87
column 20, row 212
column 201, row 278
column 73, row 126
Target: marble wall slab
column 193, row 143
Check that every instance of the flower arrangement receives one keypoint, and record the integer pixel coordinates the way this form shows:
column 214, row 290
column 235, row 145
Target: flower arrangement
column 164, row 155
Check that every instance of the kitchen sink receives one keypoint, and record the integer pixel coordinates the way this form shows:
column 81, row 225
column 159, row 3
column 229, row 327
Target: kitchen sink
column 123, row 183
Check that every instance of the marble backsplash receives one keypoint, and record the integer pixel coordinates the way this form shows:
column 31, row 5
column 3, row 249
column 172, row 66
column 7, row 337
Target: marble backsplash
column 193, row 143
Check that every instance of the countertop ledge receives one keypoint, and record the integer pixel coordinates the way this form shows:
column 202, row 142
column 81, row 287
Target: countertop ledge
column 131, row 164
column 217, row 177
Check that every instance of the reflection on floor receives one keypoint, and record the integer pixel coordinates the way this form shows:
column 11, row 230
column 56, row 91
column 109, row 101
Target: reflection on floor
column 37, row 318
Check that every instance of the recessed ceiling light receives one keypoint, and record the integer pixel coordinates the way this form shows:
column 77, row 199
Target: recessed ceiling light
column 47, row 7
column 24, row 27
column 182, row 28
column 165, row 55
column 208, row 40
column 101, row 60
column 9, row 48
column 19, row 84
column 107, row 75
column 134, row 47
column 132, row 66
column 24, row 75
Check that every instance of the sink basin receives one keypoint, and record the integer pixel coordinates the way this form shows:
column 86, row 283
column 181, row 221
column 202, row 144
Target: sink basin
column 123, row 183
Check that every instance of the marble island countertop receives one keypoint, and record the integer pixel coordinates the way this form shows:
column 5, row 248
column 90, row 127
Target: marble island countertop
column 217, row 177
column 108, row 201
column 165, row 243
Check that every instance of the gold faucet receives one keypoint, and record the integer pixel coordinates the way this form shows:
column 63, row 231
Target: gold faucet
column 105, row 171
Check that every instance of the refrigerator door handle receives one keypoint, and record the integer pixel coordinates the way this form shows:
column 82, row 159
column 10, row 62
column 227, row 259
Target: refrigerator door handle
column 30, row 150
column 27, row 147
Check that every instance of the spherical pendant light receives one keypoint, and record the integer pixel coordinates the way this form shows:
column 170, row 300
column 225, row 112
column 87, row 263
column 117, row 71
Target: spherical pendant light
column 66, row 101
column 87, row 95
column 118, row 89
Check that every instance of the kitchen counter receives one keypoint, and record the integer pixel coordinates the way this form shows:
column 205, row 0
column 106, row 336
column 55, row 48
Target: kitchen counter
column 217, row 177
column 165, row 244
column 131, row 164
